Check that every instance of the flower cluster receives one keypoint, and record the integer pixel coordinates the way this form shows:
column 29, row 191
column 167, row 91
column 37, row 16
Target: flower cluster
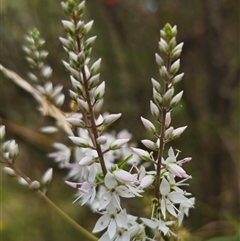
column 105, row 168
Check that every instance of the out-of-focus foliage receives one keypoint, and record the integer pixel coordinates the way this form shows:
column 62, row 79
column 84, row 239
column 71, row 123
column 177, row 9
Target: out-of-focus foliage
column 128, row 32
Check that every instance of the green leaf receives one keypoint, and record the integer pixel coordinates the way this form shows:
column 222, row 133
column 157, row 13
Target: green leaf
column 124, row 162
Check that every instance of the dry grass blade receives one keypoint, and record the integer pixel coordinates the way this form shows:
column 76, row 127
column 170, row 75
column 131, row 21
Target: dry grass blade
column 46, row 107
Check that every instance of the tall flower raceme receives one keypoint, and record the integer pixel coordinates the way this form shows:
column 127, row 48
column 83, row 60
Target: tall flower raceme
column 105, row 169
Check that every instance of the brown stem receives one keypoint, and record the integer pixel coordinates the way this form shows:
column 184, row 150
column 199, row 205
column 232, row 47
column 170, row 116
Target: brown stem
column 94, row 133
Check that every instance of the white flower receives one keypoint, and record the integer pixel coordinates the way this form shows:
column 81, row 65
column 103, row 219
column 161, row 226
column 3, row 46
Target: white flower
column 111, row 219
column 157, row 224
column 62, row 154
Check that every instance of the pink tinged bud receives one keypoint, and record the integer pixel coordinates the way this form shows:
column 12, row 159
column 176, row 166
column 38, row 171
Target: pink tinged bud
column 148, row 125
column 47, row 176
column 177, row 170
column 146, row 181
column 118, row 144
column 9, row 171
column 124, row 176
column 95, row 67
column 150, row 144
column 101, row 140
column 177, row 132
column 79, row 141
column 154, row 110
column 108, row 120
column 87, row 160
column 176, row 99
column 72, row 184
column 142, row 154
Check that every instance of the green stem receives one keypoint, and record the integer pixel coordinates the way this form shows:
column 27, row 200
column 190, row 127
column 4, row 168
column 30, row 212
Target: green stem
column 42, row 195
column 83, row 231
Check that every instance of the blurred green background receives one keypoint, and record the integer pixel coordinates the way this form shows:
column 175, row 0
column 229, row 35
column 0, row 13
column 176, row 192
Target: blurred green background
column 128, row 35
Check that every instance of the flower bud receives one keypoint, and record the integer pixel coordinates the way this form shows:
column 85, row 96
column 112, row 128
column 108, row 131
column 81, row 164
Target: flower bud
column 177, row 78
column 94, row 80
column 87, row 160
column 157, row 97
column 154, row 110
column 159, row 60
column 156, row 85
column 108, row 120
column 168, row 119
column 176, row 99
column 68, row 26
column 175, row 67
column 65, row 42
column 150, row 144
column 168, row 133
column 177, row 132
column 79, row 141
column 148, row 125
column 95, row 67
column 89, row 42
column 146, row 181
column 47, row 176
column 9, row 171
column 99, row 91
column 83, row 105
column 2, row 132
column 118, row 144
column 142, row 154
column 101, row 140
column 124, row 176
column 35, row 185
column 168, row 96
column 164, row 73
column 76, row 122
column 48, row 129
column 88, row 27
column 163, row 46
